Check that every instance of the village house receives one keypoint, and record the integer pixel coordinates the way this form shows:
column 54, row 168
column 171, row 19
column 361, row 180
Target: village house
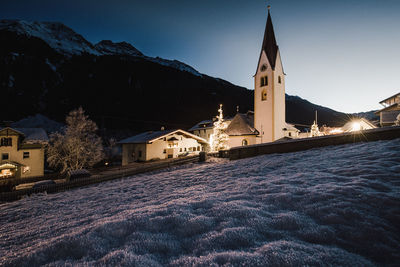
column 22, row 152
column 391, row 109
column 155, row 145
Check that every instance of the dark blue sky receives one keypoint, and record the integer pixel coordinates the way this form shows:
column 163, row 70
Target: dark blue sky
column 343, row 54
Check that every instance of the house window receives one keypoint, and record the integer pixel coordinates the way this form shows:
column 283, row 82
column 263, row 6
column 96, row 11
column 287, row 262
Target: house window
column 180, row 150
column 198, row 148
column 264, row 81
column 5, row 156
column 279, row 79
column 6, row 141
column 185, row 149
column 165, row 151
column 244, row 142
column 204, row 130
column 290, row 134
column 26, row 155
column 264, row 95
column 140, row 153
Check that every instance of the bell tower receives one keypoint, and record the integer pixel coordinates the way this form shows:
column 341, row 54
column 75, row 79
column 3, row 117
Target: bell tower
column 269, row 89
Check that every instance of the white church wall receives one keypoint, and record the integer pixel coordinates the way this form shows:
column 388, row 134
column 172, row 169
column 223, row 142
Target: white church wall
column 263, row 110
column 279, row 98
column 235, row 141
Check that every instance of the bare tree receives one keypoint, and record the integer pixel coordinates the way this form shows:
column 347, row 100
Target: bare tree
column 78, row 147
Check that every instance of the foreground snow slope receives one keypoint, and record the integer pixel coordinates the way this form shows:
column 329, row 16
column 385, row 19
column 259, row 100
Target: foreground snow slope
column 331, row 206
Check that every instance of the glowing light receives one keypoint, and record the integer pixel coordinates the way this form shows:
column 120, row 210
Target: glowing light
column 336, row 131
column 355, row 126
column 26, row 169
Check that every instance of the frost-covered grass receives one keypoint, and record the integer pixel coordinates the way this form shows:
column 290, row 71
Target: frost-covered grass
column 331, row 206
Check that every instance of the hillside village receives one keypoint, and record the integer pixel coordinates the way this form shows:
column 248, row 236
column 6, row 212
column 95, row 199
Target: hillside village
column 23, row 149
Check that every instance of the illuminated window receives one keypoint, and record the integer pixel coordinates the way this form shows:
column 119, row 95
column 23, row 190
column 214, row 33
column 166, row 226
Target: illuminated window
column 264, row 95
column 244, row 142
column 26, row 155
column 6, row 141
column 279, row 79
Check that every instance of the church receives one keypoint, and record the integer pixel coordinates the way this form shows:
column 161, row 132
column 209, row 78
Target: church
column 268, row 121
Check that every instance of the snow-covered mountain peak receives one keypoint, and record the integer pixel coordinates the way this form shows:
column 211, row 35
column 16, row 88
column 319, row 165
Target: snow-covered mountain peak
column 175, row 64
column 66, row 41
column 58, row 36
column 107, row 47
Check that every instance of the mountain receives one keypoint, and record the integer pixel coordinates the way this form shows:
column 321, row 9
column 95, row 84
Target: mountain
column 47, row 68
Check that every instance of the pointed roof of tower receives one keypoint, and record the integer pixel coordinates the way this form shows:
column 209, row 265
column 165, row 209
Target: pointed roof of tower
column 269, row 45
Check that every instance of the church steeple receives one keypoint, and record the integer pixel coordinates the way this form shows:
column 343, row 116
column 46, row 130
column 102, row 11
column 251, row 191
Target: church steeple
column 269, row 45
column 269, row 89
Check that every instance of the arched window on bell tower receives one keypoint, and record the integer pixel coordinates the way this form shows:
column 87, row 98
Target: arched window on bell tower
column 264, row 95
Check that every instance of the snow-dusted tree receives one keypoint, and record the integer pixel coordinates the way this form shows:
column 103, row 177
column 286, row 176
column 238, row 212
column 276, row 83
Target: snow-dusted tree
column 78, row 146
column 219, row 140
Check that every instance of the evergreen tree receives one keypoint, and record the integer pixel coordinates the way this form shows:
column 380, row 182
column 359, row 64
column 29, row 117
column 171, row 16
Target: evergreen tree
column 219, row 140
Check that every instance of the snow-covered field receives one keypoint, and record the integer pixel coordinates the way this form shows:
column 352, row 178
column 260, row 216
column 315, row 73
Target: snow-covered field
column 331, row 206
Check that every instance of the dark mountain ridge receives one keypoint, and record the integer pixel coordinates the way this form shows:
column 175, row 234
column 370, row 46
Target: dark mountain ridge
column 47, row 68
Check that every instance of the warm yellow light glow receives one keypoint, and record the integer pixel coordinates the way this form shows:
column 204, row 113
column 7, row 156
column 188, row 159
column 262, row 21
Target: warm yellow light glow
column 26, row 169
column 336, row 131
column 6, row 173
column 355, row 126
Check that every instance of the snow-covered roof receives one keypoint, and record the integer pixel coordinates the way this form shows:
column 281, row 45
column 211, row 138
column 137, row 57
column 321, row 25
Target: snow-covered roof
column 242, row 124
column 31, row 135
column 206, row 124
column 290, row 127
column 148, row 137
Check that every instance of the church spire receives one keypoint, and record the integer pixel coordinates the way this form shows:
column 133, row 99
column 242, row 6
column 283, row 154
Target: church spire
column 269, row 45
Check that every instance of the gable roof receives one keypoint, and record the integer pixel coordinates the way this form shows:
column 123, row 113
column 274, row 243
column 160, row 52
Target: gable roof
column 394, row 106
column 386, row 99
column 242, row 124
column 31, row 135
column 206, row 124
column 151, row 136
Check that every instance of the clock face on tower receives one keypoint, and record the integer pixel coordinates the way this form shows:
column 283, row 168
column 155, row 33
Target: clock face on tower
column 263, row 67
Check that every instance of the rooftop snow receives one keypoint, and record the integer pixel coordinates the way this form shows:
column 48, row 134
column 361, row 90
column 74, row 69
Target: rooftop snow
column 334, row 206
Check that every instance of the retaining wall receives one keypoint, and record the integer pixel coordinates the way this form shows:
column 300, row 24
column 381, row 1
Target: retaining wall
column 293, row 145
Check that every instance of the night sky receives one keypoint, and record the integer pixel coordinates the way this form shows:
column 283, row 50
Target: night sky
column 342, row 54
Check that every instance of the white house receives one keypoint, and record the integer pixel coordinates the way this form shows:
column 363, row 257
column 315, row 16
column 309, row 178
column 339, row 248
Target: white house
column 391, row 109
column 156, row 145
column 22, row 152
